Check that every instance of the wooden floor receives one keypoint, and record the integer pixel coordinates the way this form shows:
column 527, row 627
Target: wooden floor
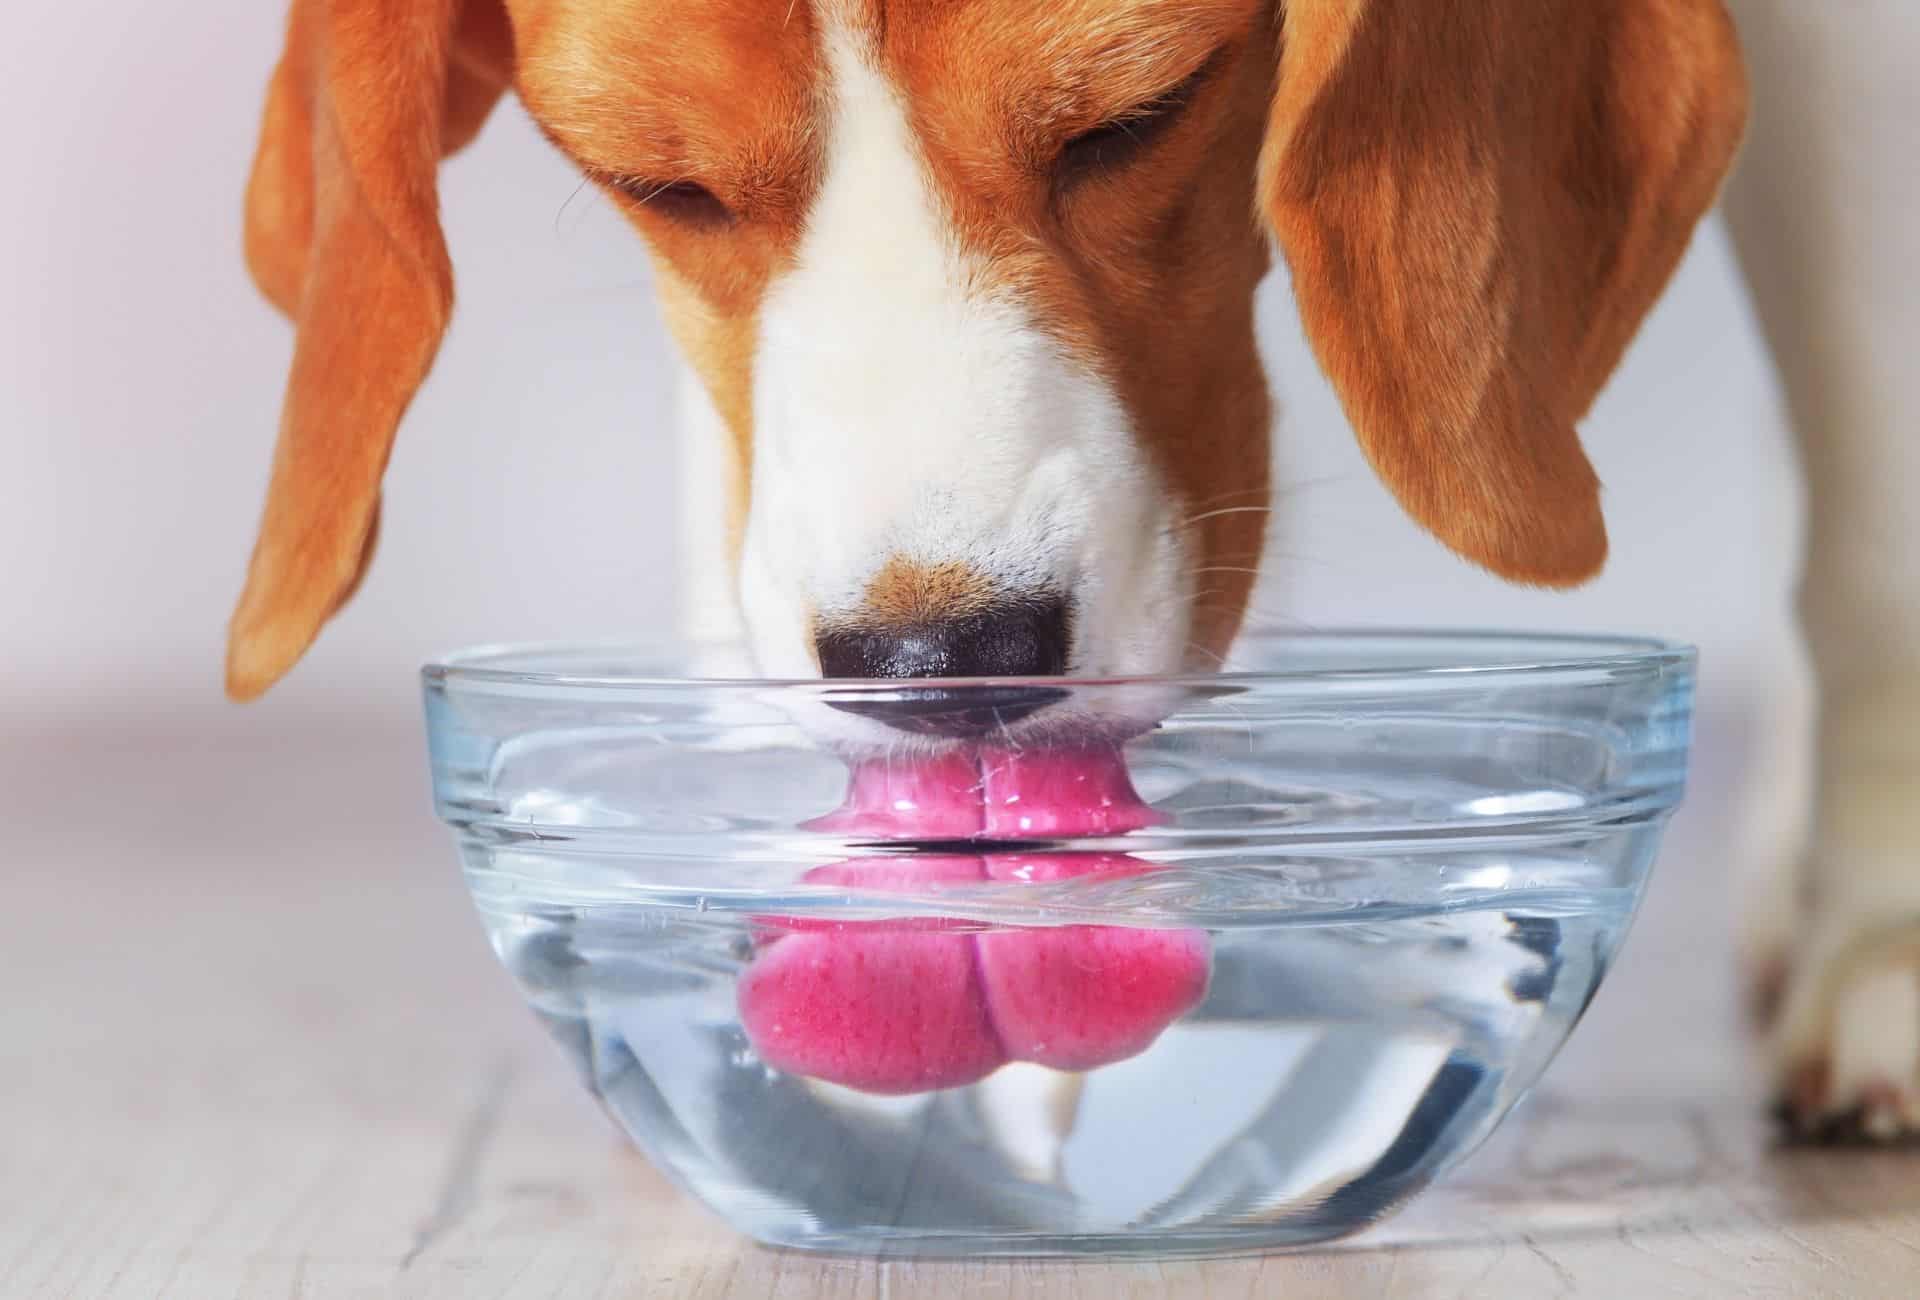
column 255, row 1046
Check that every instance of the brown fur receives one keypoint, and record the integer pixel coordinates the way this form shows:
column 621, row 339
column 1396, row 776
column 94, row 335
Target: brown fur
column 343, row 234
column 1479, row 201
column 904, row 593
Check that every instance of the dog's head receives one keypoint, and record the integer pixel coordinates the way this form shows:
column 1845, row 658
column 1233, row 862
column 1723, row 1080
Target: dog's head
column 969, row 283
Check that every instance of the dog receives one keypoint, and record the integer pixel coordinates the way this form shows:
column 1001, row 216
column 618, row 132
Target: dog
column 965, row 295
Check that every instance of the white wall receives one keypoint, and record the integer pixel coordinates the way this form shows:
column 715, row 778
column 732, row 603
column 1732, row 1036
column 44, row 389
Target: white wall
column 530, row 493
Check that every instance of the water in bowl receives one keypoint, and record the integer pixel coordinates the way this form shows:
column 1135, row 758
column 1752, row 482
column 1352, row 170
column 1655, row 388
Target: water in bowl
column 1344, row 1049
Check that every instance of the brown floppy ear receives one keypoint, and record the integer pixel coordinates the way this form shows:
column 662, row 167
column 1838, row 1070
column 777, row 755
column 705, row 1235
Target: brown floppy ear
column 343, row 234
column 1479, row 201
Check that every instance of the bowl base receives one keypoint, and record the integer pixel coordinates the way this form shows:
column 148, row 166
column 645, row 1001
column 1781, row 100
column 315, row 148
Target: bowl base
column 1264, row 1239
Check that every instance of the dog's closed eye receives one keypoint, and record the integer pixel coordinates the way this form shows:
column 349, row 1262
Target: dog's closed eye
column 1127, row 136
column 687, row 203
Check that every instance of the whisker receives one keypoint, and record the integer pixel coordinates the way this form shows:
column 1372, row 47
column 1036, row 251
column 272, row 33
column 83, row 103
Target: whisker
column 1267, row 620
column 1259, row 554
column 1236, row 494
column 1219, row 660
column 1257, row 622
column 561, row 214
column 1230, row 707
column 1273, row 493
column 1251, row 612
column 1230, row 510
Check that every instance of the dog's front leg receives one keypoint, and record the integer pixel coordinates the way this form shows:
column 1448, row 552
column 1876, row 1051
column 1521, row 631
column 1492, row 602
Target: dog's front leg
column 1823, row 210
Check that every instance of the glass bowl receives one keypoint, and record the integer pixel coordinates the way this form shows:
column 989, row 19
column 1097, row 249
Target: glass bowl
column 1172, row 965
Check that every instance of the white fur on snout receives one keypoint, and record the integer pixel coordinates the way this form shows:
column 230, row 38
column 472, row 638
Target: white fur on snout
column 907, row 408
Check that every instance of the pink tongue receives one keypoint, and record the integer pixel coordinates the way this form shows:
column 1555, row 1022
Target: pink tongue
column 1082, row 996
column 873, row 1005
column 898, row 1007
column 931, row 799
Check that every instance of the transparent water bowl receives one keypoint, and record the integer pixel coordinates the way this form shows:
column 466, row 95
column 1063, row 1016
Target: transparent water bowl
column 1174, row 966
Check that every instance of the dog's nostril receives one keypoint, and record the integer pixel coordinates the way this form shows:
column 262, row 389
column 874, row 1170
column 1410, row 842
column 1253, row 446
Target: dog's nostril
column 1013, row 638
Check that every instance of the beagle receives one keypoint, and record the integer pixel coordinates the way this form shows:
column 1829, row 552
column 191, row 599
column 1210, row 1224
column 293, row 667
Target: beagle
column 966, row 288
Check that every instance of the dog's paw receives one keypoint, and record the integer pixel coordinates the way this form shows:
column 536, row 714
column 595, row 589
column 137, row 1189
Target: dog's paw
column 1847, row 1050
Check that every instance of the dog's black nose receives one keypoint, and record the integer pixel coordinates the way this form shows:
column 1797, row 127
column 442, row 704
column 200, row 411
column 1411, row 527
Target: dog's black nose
column 1019, row 638
column 1011, row 638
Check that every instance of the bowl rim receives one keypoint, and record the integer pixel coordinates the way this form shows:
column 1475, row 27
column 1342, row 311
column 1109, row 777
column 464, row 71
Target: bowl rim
column 1561, row 653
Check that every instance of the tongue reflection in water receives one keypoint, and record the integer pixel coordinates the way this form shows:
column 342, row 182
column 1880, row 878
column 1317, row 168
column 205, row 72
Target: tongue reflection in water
column 919, row 1004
